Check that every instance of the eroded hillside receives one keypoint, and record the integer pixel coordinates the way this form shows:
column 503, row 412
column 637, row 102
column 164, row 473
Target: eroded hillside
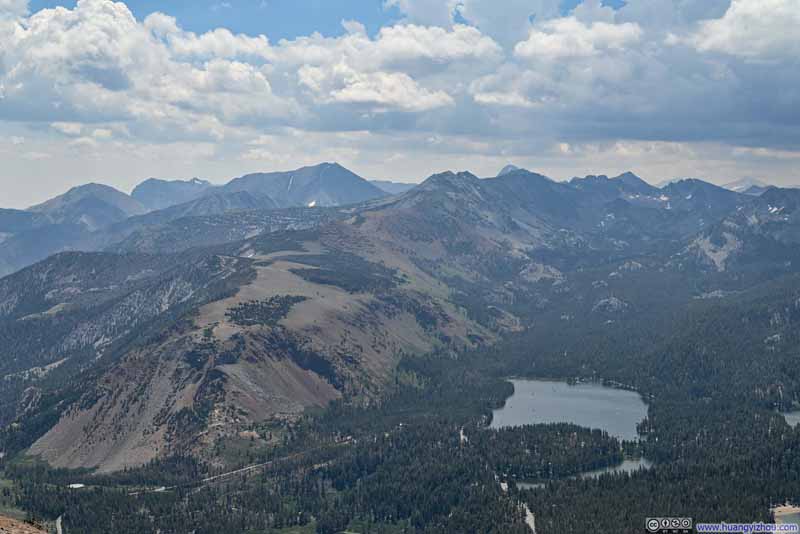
column 147, row 356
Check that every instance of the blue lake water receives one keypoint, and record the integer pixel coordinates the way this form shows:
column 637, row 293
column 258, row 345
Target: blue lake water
column 616, row 411
column 627, row 466
column 793, row 417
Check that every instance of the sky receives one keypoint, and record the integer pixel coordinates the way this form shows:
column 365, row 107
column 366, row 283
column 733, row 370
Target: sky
column 114, row 92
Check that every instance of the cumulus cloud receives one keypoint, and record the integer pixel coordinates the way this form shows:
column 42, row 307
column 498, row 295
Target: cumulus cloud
column 218, row 43
column 569, row 37
column 659, row 16
column 13, row 8
column 427, row 12
column 510, row 23
column 67, row 128
column 403, row 46
column 455, row 80
column 753, row 29
column 97, row 63
column 380, row 90
column 507, row 22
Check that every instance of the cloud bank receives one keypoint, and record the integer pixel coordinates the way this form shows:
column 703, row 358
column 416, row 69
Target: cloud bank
column 707, row 88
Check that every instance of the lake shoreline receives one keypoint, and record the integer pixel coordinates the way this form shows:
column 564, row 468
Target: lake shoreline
column 590, row 404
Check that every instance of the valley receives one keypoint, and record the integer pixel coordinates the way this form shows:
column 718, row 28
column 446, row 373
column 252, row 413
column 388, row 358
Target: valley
column 230, row 366
column 399, row 266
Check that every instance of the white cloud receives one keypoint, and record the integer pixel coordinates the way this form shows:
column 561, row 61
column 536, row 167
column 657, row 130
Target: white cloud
column 353, row 26
column 410, row 42
column 67, row 128
column 389, row 73
column 13, row 8
column 659, row 16
column 571, row 66
column 97, row 63
column 473, row 81
column 382, row 91
column 569, row 37
column 427, row 12
column 754, row 29
column 407, row 44
column 511, row 22
column 767, row 153
column 218, row 43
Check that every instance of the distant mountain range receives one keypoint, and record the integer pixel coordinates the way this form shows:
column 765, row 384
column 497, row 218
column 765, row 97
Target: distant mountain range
column 393, row 188
column 94, row 217
column 748, row 186
column 97, row 217
column 178, row 328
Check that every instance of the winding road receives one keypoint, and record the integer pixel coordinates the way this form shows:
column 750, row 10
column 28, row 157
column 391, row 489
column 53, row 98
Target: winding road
column 240, row 471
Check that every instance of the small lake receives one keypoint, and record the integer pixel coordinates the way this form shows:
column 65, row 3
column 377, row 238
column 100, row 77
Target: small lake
column 617, row 411
column 627, row 466
column 792, row 418
column 786, row 514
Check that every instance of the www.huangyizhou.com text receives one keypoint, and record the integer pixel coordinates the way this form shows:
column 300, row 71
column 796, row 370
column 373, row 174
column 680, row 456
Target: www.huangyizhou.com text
column 747, row 527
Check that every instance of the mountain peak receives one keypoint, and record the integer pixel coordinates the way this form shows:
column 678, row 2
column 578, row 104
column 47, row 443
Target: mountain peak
column 92, row 189
column 628, row 177
column 634, row 183
column 747, row 186
column 91, row 206
column 157, row 194
column 507, row 170
column 326, row 184
column 449, row 179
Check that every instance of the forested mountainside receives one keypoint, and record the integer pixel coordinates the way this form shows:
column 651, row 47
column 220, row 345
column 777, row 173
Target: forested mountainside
column 261, row 319
column 294, row 339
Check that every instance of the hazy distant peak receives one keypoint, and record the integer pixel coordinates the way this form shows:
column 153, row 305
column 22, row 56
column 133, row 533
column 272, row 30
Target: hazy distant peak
column 327, row 184
column 192, row 181
column 745, row 184
column 92, row 188
column 101, row 192
column 91, row 206
column 634, row 183
column 589, row 179
column 450, row 178
column 523, row 175
column 629, row 177
column 507, row 170
column 158, row 194
column 393, row 188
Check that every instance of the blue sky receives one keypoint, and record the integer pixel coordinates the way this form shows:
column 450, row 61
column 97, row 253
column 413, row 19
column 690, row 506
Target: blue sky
column 277, row 19
column 119, row 91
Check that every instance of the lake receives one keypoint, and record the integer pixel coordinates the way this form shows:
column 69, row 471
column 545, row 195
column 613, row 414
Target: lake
column 617, row 411
column 792, row 418
column 627, row 466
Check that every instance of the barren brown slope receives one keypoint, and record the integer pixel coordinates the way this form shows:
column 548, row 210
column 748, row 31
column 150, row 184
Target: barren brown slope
column 217, row 374
column 323, row 314
column 12, row 526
